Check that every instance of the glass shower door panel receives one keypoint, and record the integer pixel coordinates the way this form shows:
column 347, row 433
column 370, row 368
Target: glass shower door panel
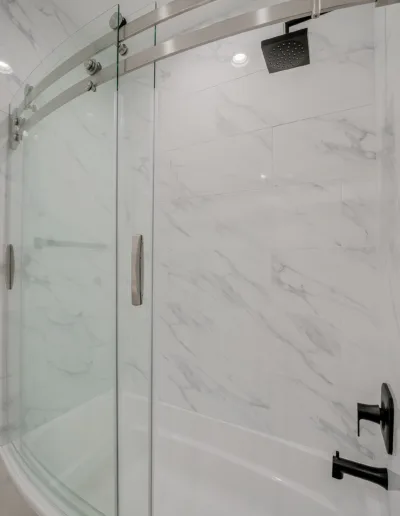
column 68, row 289
column 135, row 217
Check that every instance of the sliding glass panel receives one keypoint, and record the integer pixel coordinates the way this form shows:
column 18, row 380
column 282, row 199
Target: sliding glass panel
column 67, row 287
column 135, row 218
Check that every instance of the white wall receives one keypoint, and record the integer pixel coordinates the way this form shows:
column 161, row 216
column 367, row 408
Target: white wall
column 388, row 72
column 268, row 282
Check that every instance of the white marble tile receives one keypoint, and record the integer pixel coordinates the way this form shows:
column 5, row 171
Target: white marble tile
column 278, row 216
column 30, row 31
column 356, row 33
column 388, row 70
column 361, row 208
column 302, row 318
column 261, row 100
column 342, row 146
column 211, row 65
column 268, row 303
column 242, row 162
column 184, row 120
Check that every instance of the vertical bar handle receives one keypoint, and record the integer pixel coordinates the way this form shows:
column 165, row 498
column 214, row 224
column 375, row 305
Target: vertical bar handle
column 9, row 266
column 136, row 270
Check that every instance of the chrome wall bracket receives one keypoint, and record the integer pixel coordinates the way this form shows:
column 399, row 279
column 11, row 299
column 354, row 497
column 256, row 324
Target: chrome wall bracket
column 29, row 104
column 117, row 21
column 15, row 131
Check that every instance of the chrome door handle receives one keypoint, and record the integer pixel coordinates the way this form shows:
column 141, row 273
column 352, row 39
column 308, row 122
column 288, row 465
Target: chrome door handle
column 137, row 270
column 9, row 266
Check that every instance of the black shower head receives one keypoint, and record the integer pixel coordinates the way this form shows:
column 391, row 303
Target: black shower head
column 288, row 51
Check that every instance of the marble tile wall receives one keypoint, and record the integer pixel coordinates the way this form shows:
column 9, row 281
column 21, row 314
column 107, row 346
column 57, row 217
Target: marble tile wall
column 267, row 278
column 388, row 76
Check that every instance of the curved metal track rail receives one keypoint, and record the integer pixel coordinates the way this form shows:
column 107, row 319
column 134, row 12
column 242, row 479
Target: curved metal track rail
column 270, row 15
column 135, row 27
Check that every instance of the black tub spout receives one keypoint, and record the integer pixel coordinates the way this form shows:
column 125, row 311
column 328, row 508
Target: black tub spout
column 341, row 467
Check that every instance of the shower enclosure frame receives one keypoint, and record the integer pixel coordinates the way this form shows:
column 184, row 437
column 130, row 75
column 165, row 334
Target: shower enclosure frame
column 271, row 15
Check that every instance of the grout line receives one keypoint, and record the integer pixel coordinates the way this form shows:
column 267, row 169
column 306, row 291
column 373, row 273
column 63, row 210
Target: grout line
column 323, row 115
column 258, row 71
column 266, row 127
column 286, row 183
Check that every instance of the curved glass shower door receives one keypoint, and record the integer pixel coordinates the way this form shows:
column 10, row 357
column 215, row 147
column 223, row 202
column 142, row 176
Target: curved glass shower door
column 66, row 288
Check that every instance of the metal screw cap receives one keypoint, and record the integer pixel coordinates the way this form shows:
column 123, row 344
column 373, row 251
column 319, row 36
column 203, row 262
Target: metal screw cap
column 122, row 49
column 92, row 66
column 89, row 64
column 117, row 21
column 91, row 86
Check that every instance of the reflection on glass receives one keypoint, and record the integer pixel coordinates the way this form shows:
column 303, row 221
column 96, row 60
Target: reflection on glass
column 64, row 221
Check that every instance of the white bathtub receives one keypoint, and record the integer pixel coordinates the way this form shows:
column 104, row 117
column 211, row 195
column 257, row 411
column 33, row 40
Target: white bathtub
column 202, row 467
column 208, row 467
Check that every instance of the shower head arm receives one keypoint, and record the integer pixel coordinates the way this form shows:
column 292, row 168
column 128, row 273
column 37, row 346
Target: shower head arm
column 293, row 23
